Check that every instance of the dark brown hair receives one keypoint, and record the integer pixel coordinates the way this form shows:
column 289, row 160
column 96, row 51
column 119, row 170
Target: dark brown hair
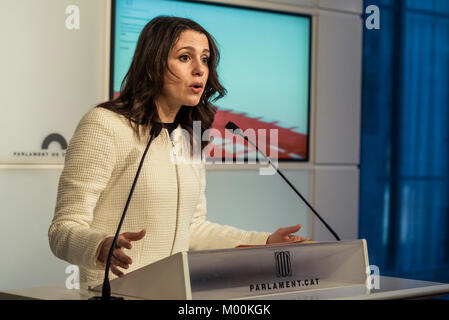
column 144, row 80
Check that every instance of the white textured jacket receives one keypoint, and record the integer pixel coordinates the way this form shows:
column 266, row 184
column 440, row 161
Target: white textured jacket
column 168, row 201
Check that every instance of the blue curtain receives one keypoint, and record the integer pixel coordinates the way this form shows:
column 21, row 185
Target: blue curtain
column 404, row 170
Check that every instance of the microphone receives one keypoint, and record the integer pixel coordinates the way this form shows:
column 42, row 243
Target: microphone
column 106, row 290
column 236, row 130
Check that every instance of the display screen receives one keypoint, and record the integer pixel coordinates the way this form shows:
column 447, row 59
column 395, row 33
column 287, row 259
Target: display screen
column 264, row 66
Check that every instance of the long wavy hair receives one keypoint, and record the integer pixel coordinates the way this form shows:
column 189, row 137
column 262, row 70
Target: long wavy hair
column 143, row 82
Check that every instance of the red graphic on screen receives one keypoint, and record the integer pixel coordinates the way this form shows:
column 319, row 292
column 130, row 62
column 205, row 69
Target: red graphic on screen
column 291, row 145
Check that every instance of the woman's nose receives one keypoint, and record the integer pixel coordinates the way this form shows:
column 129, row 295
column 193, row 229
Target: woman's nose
column 198, row 67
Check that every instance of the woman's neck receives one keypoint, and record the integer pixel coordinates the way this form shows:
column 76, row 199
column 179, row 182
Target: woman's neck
column 167, row 113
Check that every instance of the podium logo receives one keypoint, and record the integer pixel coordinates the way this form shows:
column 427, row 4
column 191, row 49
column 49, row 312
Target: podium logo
column 283, row 264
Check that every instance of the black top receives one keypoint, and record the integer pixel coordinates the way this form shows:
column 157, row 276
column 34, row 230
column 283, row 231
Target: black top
column 170, row 126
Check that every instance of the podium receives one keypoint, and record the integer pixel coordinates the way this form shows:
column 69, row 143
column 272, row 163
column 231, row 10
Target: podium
column 333, row 270
column 251, row 272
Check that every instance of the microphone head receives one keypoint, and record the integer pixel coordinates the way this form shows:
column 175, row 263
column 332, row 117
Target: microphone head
column 232, row 126
column 155, row 130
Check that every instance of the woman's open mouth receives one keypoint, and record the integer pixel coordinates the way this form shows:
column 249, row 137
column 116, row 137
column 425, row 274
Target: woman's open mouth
column 196, row 87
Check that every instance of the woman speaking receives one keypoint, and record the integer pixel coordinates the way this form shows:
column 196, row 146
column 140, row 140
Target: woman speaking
column 172, row 77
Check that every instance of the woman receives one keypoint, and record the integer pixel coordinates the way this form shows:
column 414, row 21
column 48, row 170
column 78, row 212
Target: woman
column 171, row 79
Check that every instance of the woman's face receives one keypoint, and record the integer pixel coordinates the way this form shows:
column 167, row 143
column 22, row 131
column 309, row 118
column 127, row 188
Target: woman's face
column 188, row 60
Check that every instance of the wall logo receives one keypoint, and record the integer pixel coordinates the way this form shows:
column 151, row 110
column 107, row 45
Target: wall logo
column 45, row 152
column 283, row 264
column 54, row 137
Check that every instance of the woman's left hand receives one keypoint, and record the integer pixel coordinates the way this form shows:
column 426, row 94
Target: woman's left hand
column 283, row 235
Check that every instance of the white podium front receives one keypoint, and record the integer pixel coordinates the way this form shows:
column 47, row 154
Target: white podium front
column 250, row 272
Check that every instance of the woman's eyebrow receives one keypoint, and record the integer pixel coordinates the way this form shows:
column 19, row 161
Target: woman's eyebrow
column 191, row 48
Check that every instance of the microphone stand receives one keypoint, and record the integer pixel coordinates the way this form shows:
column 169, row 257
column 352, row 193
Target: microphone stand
column 236, row 130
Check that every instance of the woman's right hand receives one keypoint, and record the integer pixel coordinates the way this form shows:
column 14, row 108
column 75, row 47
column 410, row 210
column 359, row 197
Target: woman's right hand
column 119, row 258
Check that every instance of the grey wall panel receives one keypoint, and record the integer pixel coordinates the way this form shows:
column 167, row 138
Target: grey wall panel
column 336, row 192
column 250, row 201
column 354, row 6
column 301, row 3
column 27, row 204
column 337, row 127
column 52, row 75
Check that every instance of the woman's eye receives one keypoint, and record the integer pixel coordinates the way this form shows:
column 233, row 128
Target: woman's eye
column 185, row 58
